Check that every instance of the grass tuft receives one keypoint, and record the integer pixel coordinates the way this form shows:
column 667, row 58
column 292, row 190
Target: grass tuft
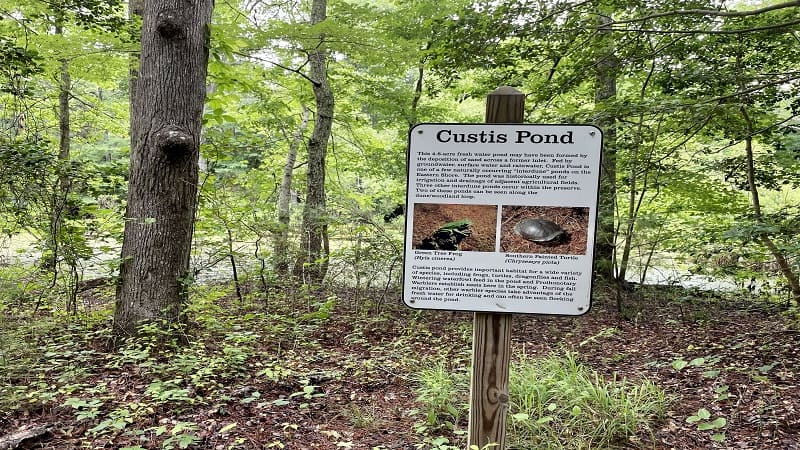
column 558, row 403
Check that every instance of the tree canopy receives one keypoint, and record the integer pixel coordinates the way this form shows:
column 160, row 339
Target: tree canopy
column 698, row 99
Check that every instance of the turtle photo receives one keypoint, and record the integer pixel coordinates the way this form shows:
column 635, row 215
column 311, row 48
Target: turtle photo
column 540, row 231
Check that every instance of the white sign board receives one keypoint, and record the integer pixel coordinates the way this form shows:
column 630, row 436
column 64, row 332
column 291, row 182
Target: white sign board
column 501, row 217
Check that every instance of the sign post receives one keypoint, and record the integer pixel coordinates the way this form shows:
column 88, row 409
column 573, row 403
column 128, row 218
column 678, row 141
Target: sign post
column 491, row 332
column 500, row 219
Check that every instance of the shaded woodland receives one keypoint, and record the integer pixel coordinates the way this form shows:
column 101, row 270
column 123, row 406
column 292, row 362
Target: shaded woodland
column 201, row 208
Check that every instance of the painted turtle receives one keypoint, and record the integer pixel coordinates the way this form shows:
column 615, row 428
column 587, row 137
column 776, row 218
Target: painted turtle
column 540, row 231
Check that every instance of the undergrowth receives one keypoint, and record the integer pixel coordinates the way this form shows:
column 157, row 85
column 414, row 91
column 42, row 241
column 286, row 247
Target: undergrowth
column 146, row 390
column 556, row 404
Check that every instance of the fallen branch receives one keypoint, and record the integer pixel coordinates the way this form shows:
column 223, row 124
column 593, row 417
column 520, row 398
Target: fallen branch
column 14, row 440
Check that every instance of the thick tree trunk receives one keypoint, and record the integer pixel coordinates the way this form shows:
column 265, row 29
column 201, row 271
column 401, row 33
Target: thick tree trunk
column 281, row 243
column 167, row 107
column 312, row 264
column 606, row 66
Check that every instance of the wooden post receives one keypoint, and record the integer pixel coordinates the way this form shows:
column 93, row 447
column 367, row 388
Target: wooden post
column 491, row 338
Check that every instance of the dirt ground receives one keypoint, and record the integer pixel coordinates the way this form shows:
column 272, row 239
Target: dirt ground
column 741, row 363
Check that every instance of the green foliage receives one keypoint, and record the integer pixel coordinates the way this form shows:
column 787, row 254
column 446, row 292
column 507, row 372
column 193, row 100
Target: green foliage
column 369, row 260
column 84, row 409
column 678, row 130
column 28, row 168
column 168, row 391
column 308, row 393
column 17, row 65
column 181, row 435
column 702, row 418
column 557, row 403
column 321, row 311
column 443, row 394
column 681, row 363
column 24, row 367
column 678, row 142
column 20, row 290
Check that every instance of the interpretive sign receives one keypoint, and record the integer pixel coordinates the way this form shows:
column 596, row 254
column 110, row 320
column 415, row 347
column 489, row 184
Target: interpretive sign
column 501, row 217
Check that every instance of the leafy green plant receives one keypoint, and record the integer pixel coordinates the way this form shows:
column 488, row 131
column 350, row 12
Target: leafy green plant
column 117, row 420
column 704, row 423
column 443, row 394
column 85, row 409
column 322, row 311
column 722, row 392
column 255, row 395
column 560, row 404
column 308, row 393
column 168, row 391
column 680, row 363
column 765, row 369
column 181, row 435
column 272, row 371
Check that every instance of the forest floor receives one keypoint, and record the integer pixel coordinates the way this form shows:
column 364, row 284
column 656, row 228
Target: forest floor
column 300, row 373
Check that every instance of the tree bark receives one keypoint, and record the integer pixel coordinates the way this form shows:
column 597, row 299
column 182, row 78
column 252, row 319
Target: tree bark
column 312, row 264
column 58, row 202
column 281, row 243
column 413, row 118
column 27, row 436
column 167, row 107
column 780, row 259
column 637, row 192
column 606, row 66
column 134, row 10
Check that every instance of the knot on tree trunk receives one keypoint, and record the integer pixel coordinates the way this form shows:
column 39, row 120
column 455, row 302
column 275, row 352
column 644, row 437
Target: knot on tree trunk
column 171, row 24
column 174, row 141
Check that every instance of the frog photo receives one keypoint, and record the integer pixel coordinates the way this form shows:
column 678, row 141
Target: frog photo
column 448, row 236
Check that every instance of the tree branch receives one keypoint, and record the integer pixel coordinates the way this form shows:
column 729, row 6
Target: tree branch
column 296, row 71
column 752, row 89
column 739, row 31
column 710, row 12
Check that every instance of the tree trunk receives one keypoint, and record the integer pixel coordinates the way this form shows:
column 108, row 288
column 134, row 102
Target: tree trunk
column 167, row 107
column 637, row 192
column 780, row 259
column 135, row 8
column 58, row 202
column 413, row 118
column 281, row 243
column 234, row 268
column 606, row 66
column 312, row 263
